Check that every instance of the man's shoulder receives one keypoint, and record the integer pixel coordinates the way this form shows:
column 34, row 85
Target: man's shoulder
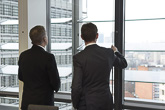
column 105, row 48
column 99, row 48
column 48, row 55
column 29, row 51
column 79, row 54
column 25, row 52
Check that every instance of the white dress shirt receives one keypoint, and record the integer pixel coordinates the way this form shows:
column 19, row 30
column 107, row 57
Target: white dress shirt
column 90, row 44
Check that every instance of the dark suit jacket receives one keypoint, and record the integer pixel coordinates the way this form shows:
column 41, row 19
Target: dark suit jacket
column 90, row 85
column 38, row 71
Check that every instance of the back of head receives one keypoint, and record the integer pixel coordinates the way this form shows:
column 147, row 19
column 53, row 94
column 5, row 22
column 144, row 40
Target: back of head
column 89, row 32
column 37, row 34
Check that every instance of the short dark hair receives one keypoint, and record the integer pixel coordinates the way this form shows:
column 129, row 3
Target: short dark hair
column 36, row 34
column 89, row 32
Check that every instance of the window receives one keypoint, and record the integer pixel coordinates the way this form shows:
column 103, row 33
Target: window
column 8, row 49
column 61, row 38
column 61, row 43
column 144, row 49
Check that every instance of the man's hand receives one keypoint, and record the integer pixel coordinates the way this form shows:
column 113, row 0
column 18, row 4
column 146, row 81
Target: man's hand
column 114, row 48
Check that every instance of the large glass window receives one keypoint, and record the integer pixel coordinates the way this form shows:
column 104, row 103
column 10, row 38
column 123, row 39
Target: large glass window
column 9, row 50
column 144, row 50
column 61, row 44
column 61, row 39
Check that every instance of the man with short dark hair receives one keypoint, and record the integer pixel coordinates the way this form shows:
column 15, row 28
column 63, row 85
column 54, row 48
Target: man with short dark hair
column 38, row 71
column 92, row 66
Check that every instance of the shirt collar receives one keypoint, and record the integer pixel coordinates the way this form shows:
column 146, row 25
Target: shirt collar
column 42, row 47
column 90, row 44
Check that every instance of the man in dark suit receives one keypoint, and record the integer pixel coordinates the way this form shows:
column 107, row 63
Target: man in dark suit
column 38, row 71
column 92, row 66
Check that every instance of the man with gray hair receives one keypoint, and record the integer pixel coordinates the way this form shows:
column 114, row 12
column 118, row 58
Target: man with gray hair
column 38, row 71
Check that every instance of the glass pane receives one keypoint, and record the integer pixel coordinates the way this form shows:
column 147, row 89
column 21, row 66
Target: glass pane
column 145, row 9
column 61, row 44
column 144, row 50
column 106, row 34
column 9, row 50
column 98, row 10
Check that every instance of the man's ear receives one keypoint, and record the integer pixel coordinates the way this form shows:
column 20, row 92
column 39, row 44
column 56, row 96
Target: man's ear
column 82, row 37
column 97, row 35
column 44, row 39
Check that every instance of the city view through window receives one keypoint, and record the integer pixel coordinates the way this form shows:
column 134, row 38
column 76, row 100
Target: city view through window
column 144, row 45
column 144, row 50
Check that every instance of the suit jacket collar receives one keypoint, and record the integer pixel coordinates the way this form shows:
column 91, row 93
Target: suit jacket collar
column 41, row 46
column 90, row 46
column 36, row 47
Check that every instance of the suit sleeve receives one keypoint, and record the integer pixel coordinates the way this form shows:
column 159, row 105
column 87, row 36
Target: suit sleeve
column 76, row 83
column 20, row 77
column 119, row 61
column 53, row 73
